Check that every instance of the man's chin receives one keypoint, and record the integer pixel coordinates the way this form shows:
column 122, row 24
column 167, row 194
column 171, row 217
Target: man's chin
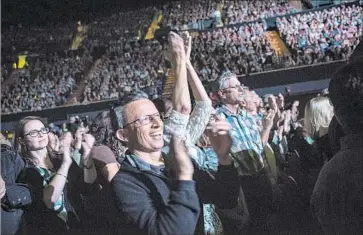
column 159, row 146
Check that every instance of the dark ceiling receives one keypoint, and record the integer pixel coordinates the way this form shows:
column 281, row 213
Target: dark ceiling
column 52, row 12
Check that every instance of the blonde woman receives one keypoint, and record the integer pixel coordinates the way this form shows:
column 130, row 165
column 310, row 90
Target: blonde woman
column 318, row 115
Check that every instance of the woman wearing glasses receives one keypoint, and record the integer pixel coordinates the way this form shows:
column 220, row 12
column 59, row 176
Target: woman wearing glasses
column 47, row 173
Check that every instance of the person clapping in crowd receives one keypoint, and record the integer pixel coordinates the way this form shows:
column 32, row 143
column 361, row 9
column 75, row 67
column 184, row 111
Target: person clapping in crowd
column 49, row 172
column 143, row 131
column 14, row 195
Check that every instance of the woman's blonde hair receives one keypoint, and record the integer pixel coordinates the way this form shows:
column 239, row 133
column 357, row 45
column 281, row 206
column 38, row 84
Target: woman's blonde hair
column 318, row 114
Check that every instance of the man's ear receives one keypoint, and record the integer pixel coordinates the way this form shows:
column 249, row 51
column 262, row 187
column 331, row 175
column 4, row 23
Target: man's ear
column 242, row 103
column 122, row 134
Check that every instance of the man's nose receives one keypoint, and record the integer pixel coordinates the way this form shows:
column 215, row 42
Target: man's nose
column 156, row 122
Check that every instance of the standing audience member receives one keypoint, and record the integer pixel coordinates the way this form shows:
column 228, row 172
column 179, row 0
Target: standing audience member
column 100, row 207
column 156, row 194
column 52, row 210
column 14, row 195
column 337, row 200
column 195, row 124
column 240, row 108
column 318, row 115
column 102, row 155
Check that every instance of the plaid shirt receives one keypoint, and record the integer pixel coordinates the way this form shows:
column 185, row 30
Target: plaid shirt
column 245, row 131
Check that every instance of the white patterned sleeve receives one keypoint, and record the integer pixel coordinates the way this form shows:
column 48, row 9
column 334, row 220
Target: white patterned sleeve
column 176, row 124
column 198, row 121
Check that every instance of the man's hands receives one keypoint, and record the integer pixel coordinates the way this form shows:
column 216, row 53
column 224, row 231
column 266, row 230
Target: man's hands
column 268, row 120
column 181, row 164
column 176, row 51
column 188, row 44
column 217, row 131
column 79, row 137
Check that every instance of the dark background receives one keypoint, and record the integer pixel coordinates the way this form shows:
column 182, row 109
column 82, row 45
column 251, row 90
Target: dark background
column 55, row 12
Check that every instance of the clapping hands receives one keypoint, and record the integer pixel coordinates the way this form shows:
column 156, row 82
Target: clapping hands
column 176, row 51
column 217, row 131
column 181, row 165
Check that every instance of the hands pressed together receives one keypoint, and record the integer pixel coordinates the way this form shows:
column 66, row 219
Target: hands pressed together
column 175, row 52
column 217, row 130
column 65, row 143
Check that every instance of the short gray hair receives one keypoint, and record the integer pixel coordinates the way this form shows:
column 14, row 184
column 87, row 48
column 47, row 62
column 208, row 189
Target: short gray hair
column 220, row 84
column 131, row 97
column 134, row 96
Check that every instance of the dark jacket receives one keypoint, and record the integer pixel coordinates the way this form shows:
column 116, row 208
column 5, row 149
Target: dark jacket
column 324, row 147
column 337, row 200
column 42, row 220
column 335, row 133
column 150, row 203
column 17, row 195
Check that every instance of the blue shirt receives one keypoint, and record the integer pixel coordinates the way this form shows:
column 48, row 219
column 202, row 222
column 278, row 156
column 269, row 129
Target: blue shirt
column 144, row 166
column 206, row 159
column 245, row 131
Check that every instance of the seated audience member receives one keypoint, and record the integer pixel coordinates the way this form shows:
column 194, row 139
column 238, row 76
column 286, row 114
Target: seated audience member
column 48, row 82
column 15, row 196
column 317, row 36
column 337, row 200
column 47, row 174
column 156, row 194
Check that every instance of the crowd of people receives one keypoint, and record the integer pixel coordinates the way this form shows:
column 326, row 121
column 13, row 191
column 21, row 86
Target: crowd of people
column 246, row 11
column 222, row 12
column 5, row 72
column 323, row 36
column 193, row 11
column 242, row 50
column 129, row 63
column 127, row 66
column 46, row 83
column 124, row 24
column 249, row 165
column 20, row 39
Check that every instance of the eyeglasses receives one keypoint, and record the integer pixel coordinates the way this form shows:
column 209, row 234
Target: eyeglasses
column 35, row 133
column 145, row 120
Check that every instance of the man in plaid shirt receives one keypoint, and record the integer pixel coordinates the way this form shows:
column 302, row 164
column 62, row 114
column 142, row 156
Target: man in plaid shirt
column 245, row 133
column 248, row 148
